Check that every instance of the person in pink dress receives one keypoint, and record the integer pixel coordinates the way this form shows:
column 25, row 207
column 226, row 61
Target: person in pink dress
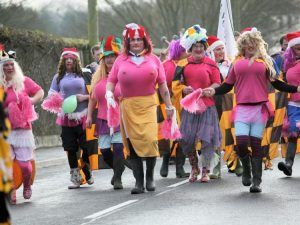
column 22, row 93
column 110, row 48
column 291, row 69
column 249, row 75
column 138, row 72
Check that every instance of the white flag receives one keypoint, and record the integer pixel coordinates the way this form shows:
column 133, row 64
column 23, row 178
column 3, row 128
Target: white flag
column 225, row 28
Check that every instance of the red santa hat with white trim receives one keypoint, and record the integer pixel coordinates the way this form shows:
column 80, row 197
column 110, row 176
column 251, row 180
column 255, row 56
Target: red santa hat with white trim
column 248, row 30
column 214, row 42
column 70, row 53
column 293, row 38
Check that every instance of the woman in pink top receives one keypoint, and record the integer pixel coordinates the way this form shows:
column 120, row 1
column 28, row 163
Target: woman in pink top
column 250, row 74
column 200, row 72
column 138, row 72
column 292, row 70
column 110, row 48
column 21, row 94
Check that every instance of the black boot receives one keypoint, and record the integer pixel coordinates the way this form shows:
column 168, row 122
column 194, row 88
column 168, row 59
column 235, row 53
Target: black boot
column 88, row 174
column 289, row 160
column 108, row 158
column 138, row 173
column 180, row 160
column 246, row 177
column 256, row 173
column 150, row 163
column 164, row 169
column 118, row 171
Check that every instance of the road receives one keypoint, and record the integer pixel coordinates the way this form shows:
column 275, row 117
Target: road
column 176, row 201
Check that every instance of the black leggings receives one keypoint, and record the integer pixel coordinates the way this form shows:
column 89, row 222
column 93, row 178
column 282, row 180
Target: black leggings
column 133, row 154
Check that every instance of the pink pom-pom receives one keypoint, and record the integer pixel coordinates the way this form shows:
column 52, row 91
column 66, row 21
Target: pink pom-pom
column 53, row 103
column 113, row 116
column 28, row 112
column 193, row 102
column 165, row 130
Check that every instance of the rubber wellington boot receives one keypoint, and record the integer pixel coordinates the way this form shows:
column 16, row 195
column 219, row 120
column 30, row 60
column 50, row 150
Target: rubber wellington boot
column 256, row 173
column 246, row 177
column 179, row 161
column 138, row 173
column 150, row 164
column 289, row 160
column 118, row 171
column 164, row 169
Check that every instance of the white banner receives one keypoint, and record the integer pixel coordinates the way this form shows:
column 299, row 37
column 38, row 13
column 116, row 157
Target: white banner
column 225, row 28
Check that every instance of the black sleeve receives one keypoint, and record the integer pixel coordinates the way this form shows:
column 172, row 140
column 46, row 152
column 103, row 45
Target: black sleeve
column 281, row 86
column 223, row 88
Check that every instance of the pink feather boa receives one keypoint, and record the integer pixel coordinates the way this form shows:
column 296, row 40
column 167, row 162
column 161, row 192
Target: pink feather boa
column 166, row 131
column 21, row 113
column 193, row 102
column 53, row 103
column 113, row 116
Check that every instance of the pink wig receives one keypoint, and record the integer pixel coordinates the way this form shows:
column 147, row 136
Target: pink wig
column 113, row 116
column 53, row 103
column 193, row 102
column 175, row 50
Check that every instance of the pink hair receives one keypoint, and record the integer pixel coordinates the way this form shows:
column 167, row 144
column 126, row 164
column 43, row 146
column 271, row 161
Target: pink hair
column 175, row 50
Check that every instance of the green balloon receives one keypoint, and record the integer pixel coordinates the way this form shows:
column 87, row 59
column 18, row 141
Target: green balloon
column 69, row 104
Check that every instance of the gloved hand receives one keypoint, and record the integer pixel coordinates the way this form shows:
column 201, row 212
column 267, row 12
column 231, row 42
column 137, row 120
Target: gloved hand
column 110, row 99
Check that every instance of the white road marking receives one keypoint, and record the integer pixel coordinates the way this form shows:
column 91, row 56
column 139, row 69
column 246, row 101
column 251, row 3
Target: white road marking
column 179, row 183
column 161, row 193
column 110, row 209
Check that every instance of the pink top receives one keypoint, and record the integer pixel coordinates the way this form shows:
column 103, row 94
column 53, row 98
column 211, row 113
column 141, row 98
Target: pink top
column 99, row 95
column 30, row 89
column 202, row 75
column 250, row 81
column 137, row 80
column 293, row 78
column 170, row 67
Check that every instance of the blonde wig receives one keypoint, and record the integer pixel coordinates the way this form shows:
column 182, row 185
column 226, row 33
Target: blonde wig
column 17, row 81
column 255, row 39
column 100, row 73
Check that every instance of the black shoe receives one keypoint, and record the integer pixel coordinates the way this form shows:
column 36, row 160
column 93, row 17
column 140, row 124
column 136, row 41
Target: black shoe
column 286, row 169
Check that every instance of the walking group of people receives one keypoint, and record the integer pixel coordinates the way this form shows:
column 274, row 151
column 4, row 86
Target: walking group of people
column 116, row 99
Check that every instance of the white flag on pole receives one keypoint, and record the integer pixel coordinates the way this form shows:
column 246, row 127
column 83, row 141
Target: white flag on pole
column 225, row 28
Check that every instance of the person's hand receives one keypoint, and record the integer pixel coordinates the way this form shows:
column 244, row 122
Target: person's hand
column 88, row 122
column 208, row 92
column 170, row 111
column 81, row 98
column 110, row 99
column 187, row 90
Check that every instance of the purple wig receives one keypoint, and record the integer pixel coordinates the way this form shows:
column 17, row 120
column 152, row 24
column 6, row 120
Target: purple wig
column 289, row 59
column 175, row 50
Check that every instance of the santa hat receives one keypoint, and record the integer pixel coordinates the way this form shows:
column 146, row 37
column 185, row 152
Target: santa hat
column 293, row 38
column 3, row 55
column 132, row 29
column 110, row 45
column 214, row 42
column 249, row 30
column 70, row 53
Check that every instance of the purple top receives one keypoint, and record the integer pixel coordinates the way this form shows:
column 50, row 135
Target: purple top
column 71, row 85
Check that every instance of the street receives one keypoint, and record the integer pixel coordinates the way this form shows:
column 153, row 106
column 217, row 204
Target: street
column 175, row 201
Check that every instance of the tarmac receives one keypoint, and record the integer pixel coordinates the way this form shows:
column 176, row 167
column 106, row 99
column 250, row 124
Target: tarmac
column 54, row 156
